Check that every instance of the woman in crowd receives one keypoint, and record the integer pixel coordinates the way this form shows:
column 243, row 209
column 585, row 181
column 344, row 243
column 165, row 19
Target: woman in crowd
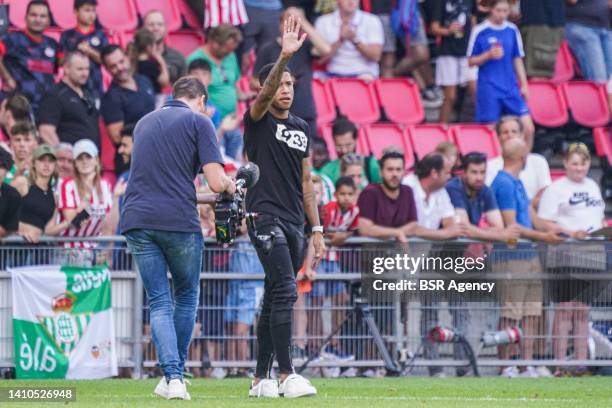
column 351, row 165
column 85, row 199
column 147, row 59
column 573, row 205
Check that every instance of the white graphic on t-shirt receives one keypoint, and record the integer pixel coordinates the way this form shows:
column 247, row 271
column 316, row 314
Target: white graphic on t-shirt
column 294, row 138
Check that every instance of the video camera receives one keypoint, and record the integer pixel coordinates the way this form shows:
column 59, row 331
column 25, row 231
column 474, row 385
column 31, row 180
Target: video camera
column 230, row 209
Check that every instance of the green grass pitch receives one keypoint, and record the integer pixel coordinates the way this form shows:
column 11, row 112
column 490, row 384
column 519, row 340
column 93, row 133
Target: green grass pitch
column 354, row 393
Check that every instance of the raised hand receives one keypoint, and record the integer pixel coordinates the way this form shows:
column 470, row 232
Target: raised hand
column 291, row 40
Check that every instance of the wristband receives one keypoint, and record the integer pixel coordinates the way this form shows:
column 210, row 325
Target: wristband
column 317, row 228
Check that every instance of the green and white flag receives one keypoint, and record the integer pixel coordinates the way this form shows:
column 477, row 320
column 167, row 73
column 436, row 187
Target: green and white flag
column 63, row 322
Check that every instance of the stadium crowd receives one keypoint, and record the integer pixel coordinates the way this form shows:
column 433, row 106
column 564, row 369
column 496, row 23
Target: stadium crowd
column 61, row 99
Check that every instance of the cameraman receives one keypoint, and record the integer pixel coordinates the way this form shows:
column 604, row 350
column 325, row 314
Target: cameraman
column 277, row 141
column 160, row 220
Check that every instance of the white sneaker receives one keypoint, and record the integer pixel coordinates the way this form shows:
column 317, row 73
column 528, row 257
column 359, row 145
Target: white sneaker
column 296, row 386
column 162, row 388
column 218, row 373
column 510, row 372
column 543, row 371
column 177, row 390
column 530, row 372
column 266, row 388
column 351, row 372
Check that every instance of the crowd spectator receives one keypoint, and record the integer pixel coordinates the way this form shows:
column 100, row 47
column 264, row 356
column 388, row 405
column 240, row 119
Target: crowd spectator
column 451, row 154
column 261, row 28
column 22, row 143
column 10, row 200
column 29, row 58
column 319, row 156
column 344, row 133
column 125, row 150
column 340, row 223
column 89, row 39
column 38, row 209
column 535, row 176
column 388, row 209
column 155, row 22
column 356, row 39
column 574, row 206
column 68, row 113
column 520, row 299
column 588, row 35
column 129, row 97
column 351, row 165
column 217, row 13
column 410, row 28
column 85, row 199
column 228, row 131
column 383, row 9
column 542, row 24
column 496, row 48
column 319, row 153
column 146, row 58
column 13, row 109
column 300, row 65
column 218, row 51
column 452, row 21
column 65, row 167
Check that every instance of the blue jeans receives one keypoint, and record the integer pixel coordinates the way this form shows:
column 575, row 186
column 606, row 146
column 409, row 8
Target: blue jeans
column 232, row 143
column 592, row 47
column 156, row 252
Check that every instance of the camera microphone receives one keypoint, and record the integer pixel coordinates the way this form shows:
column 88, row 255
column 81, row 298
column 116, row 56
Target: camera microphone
column 248, row 174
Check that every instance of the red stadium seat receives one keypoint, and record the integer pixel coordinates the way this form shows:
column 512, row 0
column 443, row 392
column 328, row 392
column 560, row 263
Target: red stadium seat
column 185, row 41
column 326, row 110
column 603, row 143
column 54, row 32
column 63, row 13
column 564, row 66
column 17, row 12
column 107, row 149
column 401, row 100
column 425, row 138
column 118, row 14
column 355, row 99
column 547, row 104
column 557, row 174
column 588, row 102
column 190, row 17
column 476, row 138
column 168, row 8
column 382, row 135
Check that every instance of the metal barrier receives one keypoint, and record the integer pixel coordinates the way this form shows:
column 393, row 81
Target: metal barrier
column 231, row 288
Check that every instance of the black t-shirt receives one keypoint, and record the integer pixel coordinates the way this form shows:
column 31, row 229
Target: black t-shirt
column 301, row 68
column 120, row 104
column 10, row 205
column 543, row 12
column 278, row 147
column 75, row 118
column 593, row 13
column 379, row 6
column 448, row 11
column 151, row 70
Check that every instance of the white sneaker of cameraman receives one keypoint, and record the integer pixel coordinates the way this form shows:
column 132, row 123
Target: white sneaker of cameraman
column 265, row 388
column 296, row 386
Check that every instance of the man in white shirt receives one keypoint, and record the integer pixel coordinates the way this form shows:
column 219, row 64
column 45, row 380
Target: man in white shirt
column 536, row 173
column 357, row 40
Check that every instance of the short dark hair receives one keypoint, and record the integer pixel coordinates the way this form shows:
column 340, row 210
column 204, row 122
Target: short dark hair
column 199, row 63
column 189, row 87
column 342, row 125
column 80, row 3
column 265, row 71
column 19, row 106
column 38, row 3
column 430, row 162
column 128, row 130
column 345, row 181
column 391, row 154
column 224, row 32
column 22, row 128
column 473, row 158
column 109, row 49
column 6, row 160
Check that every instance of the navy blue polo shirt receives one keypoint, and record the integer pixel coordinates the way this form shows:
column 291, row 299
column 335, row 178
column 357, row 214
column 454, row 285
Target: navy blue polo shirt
column 32, row 62
column 124, row 105
column 483, row 202
column 170, row 147
column 97, row 40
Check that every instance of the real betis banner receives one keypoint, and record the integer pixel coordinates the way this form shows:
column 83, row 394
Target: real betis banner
column 63, row 322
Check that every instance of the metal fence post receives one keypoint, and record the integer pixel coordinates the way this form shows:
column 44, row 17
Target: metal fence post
column 137, row 334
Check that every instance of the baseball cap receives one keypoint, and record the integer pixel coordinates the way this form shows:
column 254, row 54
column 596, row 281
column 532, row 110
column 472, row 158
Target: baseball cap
column 43, row 150
column 85, row 146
